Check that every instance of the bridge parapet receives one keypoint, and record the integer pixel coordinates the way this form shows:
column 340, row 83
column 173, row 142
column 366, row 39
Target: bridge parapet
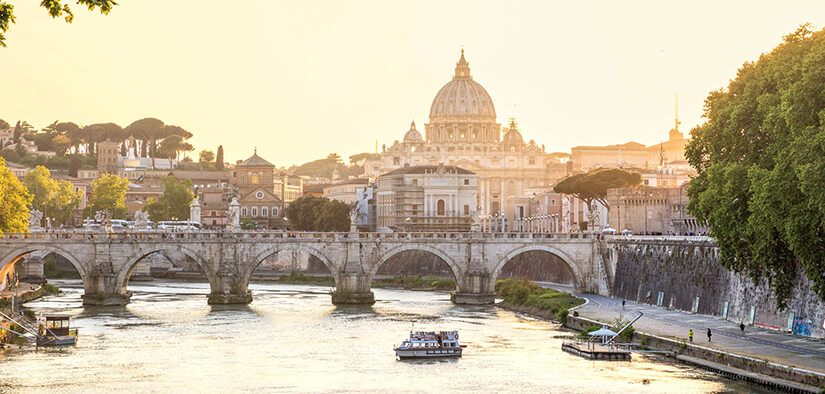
column 107, row 260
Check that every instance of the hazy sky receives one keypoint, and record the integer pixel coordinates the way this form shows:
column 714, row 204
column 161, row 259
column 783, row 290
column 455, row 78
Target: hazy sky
column 301, row 79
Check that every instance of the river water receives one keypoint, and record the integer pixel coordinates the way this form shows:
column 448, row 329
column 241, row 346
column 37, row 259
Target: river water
column 291, row 338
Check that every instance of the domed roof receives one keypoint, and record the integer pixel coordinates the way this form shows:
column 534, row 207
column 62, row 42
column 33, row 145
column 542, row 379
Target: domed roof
column 462, row 97
column 413, row 135
column 513, row 136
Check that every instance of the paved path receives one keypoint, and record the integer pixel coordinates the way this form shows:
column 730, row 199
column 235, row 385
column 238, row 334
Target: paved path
column 759, row 343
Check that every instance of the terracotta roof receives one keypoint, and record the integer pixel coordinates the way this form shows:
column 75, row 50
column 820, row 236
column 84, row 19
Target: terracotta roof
column 428, row 170
column 214, row 175
column 255, row 160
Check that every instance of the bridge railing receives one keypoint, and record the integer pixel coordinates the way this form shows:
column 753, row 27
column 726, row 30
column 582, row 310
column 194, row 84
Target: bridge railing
column 251, row 235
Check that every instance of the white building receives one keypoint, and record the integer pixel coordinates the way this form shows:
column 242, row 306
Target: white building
column 463, row 132
column 426, row 198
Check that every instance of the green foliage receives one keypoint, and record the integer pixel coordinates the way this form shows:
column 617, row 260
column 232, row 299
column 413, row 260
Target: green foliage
column 206, row 157
column 311, row 213
column 11, row 155
column 175, row 201
column 526, row 293
column 588, row 330
column 55, row 8
column 323, row 168
column 14, row 212
column 108, row 192
column 593, row 185
column 41, row 186
column 299, row 278
column 562, row 315
column 760, row 159
column 4, row 125
column 627, row 334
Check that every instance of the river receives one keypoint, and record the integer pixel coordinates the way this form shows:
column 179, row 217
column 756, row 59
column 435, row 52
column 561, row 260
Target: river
column 291, row 338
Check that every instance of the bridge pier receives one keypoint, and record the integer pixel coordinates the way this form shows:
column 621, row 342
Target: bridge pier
column 228, row 286
column 353, row 288
column 474, row 288
column 103, row 289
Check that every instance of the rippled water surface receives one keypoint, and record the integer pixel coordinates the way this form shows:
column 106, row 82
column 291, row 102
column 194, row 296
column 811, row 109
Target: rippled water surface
column 292, row 339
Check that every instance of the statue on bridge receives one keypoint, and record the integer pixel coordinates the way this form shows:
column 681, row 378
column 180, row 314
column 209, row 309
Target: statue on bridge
column 141, row 219
column 35, row 217
column 353, row 217
column 104, row 217
column 475, row 225
column 233, row 220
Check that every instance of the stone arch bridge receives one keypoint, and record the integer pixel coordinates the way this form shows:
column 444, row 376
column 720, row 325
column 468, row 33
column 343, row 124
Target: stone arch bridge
column 105, row 261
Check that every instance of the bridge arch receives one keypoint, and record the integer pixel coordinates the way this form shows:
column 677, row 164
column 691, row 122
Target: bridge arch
column 384, row 257
column 10, row 258
column 274, row 249
column 574, row 268
column 126, row 271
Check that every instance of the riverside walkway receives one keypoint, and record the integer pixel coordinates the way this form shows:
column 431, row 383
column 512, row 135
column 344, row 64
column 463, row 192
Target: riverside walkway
column 770, row 345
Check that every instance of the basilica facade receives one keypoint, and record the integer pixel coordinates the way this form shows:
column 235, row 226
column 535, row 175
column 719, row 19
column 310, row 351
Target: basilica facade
column 463, row 131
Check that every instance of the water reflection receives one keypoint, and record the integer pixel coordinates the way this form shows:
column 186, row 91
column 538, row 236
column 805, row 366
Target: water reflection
column 292, row 339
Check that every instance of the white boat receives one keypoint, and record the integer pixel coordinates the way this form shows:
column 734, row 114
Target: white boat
column 430, row 344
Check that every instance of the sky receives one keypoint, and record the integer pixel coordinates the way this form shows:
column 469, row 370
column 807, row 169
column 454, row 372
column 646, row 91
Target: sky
column 301, row 79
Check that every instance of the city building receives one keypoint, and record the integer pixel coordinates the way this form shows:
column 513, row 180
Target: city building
column 345, row 191
column 463, row 132
column 314, row 189
column 426, row 198
column 261, row 207
column 653, row 210
column 17, row 169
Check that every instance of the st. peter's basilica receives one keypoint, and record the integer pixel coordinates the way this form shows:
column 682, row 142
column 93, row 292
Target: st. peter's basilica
column 463, row 131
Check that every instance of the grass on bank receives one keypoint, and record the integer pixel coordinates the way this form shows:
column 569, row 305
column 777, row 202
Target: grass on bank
column 522, row 292
column 412, row 282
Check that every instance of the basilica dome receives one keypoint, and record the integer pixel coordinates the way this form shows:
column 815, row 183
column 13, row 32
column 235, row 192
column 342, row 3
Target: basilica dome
column 413, row 135
column 462, row 98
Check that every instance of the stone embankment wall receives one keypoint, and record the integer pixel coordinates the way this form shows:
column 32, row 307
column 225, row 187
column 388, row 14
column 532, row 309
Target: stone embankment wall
column 686, row 275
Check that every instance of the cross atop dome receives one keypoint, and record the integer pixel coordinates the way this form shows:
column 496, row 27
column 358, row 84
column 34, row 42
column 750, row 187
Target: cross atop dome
column 462, row 68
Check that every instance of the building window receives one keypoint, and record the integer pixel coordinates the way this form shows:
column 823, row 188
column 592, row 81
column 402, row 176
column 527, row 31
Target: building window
column 264, row 211
column 396, row 161
column 243, row 211
column 254, row 179
column 532, row 161
column 466, row 210
column 254, row 211
column 415, row 181
column 274, row 211
column 466, row 181
column 440, row 208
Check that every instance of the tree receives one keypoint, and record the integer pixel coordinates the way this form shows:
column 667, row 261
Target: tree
column 593, row 185
column 4, row 125
column 146, row 130
column 175, row 201
column 333, row 216
column 760, row 158
column 41, row 186
column 14, row 213
column 21, row 129
column 303, row 211
column 172, row 146
column 55, row 9
column 108, row 192
column 219, row 159
column 64, row 200
column 206, row 157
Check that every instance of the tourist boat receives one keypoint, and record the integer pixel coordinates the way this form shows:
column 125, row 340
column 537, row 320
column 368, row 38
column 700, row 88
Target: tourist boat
column 55, row 330
column 430, row 344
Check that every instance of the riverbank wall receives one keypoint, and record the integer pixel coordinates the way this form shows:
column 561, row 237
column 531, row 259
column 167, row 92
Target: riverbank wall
column 685, row 274
column 732, row 365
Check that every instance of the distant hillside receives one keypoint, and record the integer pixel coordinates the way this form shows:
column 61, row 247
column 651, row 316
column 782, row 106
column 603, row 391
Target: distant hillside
column 323, row 168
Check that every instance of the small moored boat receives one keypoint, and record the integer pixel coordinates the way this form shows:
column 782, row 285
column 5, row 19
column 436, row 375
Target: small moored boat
column 55, row 330
column 430, row 344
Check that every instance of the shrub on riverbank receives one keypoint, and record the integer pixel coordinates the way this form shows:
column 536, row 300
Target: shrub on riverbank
column 50, row 289
column 522, row 292
column 51, row 271
column 299, row 278
column 414, row 282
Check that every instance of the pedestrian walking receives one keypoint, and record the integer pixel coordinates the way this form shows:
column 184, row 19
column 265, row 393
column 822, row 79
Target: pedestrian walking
column 690, row 335
column 742, row 327
column 623, row 301
column 709, row 334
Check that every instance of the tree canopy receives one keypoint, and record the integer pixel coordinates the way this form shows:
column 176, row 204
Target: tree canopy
column 55, row 8
column 312, row 213
column 14, row 213
column 108, row 192
column 175, row 201
column 592, row 186
column 760, row 158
